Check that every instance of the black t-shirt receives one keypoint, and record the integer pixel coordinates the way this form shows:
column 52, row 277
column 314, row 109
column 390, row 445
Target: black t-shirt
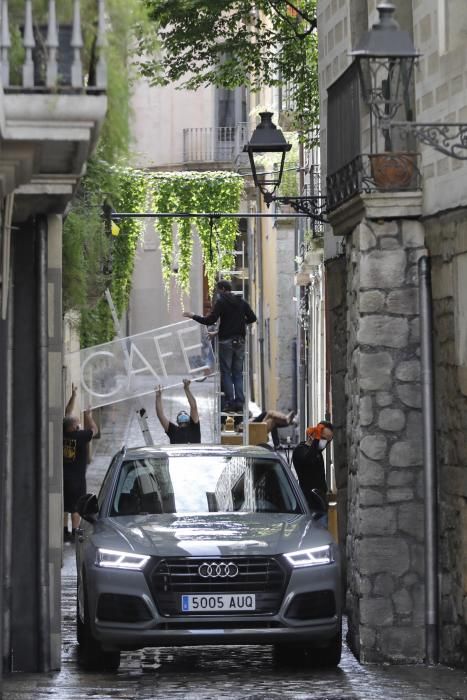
column 309, row 465
column 75, row 455
column 180, row 436
column 234, row 313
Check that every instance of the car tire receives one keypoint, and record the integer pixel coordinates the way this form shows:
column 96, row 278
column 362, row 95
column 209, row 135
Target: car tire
column 288, row 655
column 79, row 624
column 328, row 656
column 92, row 657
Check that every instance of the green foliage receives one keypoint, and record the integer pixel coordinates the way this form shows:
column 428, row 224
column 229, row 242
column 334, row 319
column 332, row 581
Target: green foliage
column 196, row 192
column 129, row 195
column 87, row 247
column 91, row 261
column 228, row 43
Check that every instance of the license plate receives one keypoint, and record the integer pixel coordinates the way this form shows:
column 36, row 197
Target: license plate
column 225, row 602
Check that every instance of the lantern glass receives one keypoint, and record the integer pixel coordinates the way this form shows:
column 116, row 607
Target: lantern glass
column 267, row 139
column 385, row 57
column 386, row 86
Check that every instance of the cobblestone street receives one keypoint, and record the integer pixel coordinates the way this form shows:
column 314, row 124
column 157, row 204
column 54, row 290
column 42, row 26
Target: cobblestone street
column 211, row 672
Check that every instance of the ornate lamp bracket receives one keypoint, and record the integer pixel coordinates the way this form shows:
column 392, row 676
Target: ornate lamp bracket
column 447, row 138
column 314, row 207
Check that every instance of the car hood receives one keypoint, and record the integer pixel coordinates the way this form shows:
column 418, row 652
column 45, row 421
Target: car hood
column 220, row 534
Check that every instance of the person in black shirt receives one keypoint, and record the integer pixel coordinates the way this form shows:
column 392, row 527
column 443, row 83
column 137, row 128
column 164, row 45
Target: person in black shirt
column 308, row 462
column 187, row 428
column 234, row 314
column 75, row 461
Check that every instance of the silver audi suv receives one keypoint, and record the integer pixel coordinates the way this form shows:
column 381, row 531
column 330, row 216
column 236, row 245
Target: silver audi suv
column 203, row 544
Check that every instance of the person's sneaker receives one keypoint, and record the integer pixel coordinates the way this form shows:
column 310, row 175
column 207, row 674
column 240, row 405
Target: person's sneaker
column 290, row 416
column 229, row 408
column 238, row 407
column 66, row 535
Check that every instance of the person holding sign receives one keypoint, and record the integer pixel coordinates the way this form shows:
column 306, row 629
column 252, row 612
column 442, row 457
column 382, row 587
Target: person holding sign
column 234, row 314
column 187, row 429
column 75, row 461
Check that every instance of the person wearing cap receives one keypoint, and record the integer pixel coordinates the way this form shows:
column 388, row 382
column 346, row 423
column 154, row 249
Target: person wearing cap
column 187, row 428
column 307, row 459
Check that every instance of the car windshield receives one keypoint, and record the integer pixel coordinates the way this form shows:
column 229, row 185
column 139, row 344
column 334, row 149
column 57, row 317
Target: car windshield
column 203, row 484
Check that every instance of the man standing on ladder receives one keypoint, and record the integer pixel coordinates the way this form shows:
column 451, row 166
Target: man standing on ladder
column 234, row 314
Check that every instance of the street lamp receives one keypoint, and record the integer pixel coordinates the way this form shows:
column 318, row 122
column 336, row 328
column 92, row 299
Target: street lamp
column 267, row 138
column 385, row 57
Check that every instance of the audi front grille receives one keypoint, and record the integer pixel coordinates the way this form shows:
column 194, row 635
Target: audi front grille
column 263, row 576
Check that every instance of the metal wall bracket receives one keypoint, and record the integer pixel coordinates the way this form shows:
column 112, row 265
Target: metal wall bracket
column 447, row 138
column 313, row 207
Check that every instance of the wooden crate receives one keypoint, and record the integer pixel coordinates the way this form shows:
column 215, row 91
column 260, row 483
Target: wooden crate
column 257, row 432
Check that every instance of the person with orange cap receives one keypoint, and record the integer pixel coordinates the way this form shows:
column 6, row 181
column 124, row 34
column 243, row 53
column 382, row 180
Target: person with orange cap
column 308, row 462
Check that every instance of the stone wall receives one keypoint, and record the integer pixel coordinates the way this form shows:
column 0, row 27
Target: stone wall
column 447, row 241
column 441, row 94
column 280, row 377
column 384, row 545
column 336, row 305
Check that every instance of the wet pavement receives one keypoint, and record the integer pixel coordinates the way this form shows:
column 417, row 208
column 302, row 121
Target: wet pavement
column 211, row 672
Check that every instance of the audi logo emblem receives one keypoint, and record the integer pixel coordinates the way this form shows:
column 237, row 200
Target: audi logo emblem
column 216, row 569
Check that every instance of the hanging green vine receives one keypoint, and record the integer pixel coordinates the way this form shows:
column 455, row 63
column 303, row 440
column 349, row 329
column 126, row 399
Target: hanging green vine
column 197, row 192
column 136, row 190
column 129, row 193
column 92, row 261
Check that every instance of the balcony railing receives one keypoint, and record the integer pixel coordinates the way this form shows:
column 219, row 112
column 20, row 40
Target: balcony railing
column 53, row 55
column 374, row 172
column 214, row 145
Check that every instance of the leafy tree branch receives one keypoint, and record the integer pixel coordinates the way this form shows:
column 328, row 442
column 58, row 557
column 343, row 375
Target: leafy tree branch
column 230, row 43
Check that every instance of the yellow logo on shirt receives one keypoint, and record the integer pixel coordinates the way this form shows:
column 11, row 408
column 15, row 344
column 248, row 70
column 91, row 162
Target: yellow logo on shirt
column 69, row 449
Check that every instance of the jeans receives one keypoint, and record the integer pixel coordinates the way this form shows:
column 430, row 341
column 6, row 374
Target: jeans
column 231, row 355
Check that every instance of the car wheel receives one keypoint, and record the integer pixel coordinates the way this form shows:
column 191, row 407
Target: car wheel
column 288, row 655
column 92, row 656
column 329, row 655
column 309, row 654
column 79, row 624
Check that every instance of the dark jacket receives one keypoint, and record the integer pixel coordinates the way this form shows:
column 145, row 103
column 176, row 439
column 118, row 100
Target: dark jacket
column 309, row 465
column 234, row 313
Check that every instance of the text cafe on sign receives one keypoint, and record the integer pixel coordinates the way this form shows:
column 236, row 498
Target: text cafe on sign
column 132, row 366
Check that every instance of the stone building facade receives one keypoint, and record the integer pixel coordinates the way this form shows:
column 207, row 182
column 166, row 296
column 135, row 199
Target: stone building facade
column 49, row 125
column 194, row 135
column 374, row 327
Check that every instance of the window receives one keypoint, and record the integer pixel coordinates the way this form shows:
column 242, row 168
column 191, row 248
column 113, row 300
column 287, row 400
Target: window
column 461, row 310
column 201, row 483
column 452, row 25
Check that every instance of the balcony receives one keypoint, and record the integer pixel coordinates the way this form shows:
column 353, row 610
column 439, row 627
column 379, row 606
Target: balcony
column 374, row 172
column 51, row 105
column 214, row 145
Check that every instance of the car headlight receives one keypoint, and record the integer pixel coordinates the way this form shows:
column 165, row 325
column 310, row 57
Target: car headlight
column 310, row 557
column 111, row 558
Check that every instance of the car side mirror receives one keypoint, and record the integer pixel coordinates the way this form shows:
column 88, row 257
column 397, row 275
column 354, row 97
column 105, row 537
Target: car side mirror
column 318, row 504
column 88, row 507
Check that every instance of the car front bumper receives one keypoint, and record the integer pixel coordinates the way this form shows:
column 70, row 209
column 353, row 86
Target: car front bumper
column 215, row 628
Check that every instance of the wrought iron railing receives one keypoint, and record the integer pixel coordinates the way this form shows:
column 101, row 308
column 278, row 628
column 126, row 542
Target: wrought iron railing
column 53, row 54
column 214, row 144
column 374, row 172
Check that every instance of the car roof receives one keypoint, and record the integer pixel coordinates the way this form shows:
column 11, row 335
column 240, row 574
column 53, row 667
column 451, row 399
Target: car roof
column 201, row 449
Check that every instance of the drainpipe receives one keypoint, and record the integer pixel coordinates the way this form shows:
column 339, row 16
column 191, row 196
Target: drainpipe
column 429, row 460
column 7, row 515
column 42, row 420
column 259, row 250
